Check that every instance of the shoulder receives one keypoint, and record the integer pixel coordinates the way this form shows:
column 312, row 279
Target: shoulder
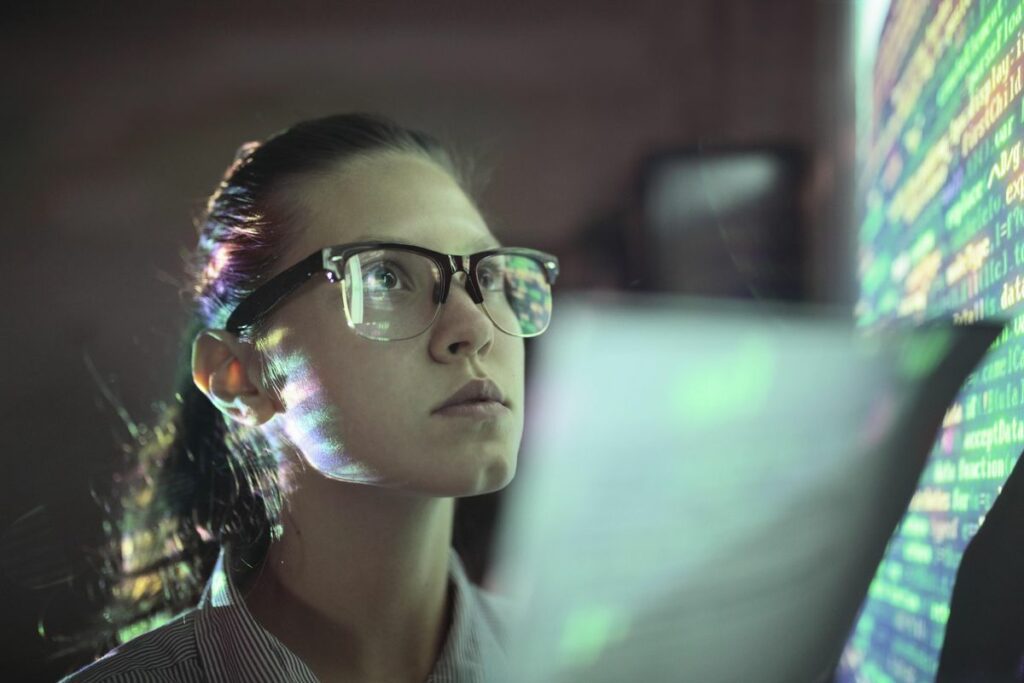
column 167, row 653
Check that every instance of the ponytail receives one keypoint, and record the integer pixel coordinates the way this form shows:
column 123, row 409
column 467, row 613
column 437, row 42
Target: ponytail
column 196, row 482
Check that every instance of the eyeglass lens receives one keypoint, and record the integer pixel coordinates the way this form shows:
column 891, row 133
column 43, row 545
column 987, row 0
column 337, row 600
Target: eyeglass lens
column 393, row 294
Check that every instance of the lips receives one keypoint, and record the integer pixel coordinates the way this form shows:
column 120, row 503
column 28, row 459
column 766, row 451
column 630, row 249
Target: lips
column 474, row 391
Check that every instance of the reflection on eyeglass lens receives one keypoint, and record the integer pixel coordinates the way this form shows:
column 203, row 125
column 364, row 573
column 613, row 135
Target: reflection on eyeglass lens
column 394, row 294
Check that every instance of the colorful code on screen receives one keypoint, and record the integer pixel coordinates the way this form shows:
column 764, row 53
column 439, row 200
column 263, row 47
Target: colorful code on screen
column 941, row 235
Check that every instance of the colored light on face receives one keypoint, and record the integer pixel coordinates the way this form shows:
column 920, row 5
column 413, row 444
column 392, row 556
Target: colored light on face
column 273, row 338
column 310, row 422
column 296, row 393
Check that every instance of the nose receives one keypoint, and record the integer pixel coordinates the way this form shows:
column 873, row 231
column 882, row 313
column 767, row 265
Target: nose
column 463, row 328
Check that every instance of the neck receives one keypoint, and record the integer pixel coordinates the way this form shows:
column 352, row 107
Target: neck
column 358, row 584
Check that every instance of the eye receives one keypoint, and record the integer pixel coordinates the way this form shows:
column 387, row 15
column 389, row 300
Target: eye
column 490, row 277
column 383, row 277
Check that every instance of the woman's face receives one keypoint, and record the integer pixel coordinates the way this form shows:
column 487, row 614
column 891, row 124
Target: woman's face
column 361, row 410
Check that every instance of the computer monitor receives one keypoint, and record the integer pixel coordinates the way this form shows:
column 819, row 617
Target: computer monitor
column 941, row 233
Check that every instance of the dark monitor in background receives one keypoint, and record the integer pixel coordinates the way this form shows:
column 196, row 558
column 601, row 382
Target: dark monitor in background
column 721, row 222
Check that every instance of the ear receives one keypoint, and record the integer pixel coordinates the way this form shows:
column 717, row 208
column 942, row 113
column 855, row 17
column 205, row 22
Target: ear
column 222, row 368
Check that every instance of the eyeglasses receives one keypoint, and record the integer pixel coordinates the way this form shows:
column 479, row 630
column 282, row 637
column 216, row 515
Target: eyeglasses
column 392, row 291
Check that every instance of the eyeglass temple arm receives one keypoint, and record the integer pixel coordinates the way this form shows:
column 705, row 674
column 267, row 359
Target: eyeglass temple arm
column 271, row 293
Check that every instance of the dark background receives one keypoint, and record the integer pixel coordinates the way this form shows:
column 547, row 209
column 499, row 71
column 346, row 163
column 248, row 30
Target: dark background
column 118, row 120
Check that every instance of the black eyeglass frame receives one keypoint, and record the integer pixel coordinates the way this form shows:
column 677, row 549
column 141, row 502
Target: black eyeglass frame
column 331, row 261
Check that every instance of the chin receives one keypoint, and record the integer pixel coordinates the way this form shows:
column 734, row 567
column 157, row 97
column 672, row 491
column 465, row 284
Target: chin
column 495, row 475
column 486, row 475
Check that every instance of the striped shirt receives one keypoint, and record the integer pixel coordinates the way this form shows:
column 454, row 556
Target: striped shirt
column 220, row 640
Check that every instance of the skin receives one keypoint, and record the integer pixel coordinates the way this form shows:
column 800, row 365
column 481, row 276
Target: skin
column 357, row 586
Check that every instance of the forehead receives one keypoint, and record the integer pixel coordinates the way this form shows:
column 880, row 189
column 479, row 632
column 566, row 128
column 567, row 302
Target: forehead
column 388, row 196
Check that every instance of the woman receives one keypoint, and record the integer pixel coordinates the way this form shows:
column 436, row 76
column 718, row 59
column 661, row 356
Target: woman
column 353, row 371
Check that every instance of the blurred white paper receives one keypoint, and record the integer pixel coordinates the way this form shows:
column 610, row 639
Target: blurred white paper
column 706, row 490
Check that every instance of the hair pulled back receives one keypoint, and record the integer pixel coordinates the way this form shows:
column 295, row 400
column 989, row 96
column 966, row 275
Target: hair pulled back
column 197, row 480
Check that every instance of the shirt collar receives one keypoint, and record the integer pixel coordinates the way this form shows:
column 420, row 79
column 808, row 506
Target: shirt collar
column 234, row 646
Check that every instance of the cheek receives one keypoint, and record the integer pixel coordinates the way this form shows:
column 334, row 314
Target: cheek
column 514, row 368
column 372, row 393
column 350, row 422
column 354, row 408
column 373, row 401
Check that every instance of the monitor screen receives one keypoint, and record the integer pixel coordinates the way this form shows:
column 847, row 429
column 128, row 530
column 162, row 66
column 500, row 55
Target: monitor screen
column 941, row 234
